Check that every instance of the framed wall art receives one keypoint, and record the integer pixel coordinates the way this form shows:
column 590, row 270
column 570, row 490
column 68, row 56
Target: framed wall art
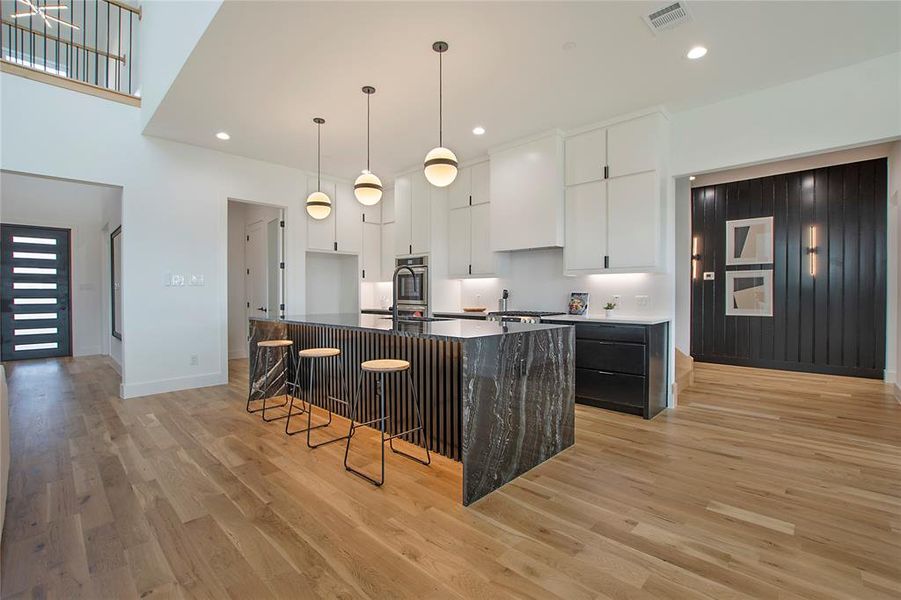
column 749, row 241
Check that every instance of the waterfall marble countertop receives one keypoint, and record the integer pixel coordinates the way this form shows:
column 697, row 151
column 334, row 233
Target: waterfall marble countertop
column 451, row 329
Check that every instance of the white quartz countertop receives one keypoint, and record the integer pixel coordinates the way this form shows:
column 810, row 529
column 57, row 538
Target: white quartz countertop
column 614, row 320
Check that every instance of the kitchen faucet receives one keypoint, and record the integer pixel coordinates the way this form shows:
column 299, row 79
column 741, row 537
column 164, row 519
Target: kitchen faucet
column 394, row 288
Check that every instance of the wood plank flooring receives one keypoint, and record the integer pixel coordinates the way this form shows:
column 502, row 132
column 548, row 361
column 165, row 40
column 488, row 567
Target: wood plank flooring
column 761, row 485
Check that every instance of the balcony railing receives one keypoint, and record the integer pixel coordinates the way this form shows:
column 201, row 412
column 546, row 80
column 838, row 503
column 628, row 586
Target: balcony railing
column 89, row 41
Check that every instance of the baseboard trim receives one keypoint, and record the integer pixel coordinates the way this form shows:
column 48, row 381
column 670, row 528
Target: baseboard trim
column 793, row 366
column 898, row 392
column 87, row 351
column 891, row 376
column 162, row 386
column 237, row 353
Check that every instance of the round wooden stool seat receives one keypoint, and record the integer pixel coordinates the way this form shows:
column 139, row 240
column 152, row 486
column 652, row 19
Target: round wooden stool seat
column 386, row 365
column 274, row 343
column 319, row 352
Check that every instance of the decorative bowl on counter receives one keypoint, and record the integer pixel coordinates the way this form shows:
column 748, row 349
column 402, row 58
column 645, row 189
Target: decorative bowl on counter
column 474, row 309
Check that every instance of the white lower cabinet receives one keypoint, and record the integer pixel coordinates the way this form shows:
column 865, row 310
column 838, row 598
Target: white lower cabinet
column 371, row 254
column 614, row 225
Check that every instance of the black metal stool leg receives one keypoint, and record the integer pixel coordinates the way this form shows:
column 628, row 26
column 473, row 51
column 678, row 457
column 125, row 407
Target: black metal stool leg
column 350, row 434
column 308, row 406
column 329, row 400
column 421, row 429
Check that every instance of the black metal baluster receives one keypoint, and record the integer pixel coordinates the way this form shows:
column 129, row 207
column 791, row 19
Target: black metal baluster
column 45, row 39
column 119, row 52
column 131, row 57
column 96, row 42
column 107, row 46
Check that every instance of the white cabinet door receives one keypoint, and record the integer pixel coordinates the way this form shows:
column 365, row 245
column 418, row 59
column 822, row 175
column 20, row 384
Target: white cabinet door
column 387, row 251
column 459, row 242
column 527, row 195
column 633, row 222
column 586, row 156
column 460, row 190
column 371, row 255
column 349, row 218
column 481, row 183
column 403, row 216
column 420, row 228
column 586, row 226
column 632, row 146
column 484, row 261
column 387, row 204
column 373, row 214
column 321, row 234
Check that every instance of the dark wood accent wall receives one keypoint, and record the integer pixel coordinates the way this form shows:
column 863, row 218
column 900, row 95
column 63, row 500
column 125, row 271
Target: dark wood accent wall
column 832, row 322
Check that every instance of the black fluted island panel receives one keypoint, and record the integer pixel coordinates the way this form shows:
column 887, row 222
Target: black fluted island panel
column 498, row 397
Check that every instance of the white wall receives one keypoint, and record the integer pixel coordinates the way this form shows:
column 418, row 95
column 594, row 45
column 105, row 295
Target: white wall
column 894, row 250
column 332, row 283
column 682, row 253
column 83, row 209
column 174, row 219
column 846, row 107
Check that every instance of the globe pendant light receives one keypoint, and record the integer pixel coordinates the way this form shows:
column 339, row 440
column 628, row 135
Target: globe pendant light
column 368, row 187
column 440, row 163
column 319, row 205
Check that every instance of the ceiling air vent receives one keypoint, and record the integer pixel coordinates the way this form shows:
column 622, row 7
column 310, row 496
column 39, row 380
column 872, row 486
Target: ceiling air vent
column 668, row 17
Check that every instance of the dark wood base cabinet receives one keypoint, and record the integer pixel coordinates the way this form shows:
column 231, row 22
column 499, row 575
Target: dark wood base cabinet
column 622, row 367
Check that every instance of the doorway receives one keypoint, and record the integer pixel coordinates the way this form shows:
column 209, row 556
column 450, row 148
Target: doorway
column 256, row 273
column 35, row 295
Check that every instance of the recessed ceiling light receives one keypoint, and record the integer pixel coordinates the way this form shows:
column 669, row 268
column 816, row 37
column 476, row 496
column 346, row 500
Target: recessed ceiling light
column 691, row 177
column 696, row 52
column 223, row 136
column 478, row 130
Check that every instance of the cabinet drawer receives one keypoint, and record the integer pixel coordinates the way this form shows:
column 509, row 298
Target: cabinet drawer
column 615, row 388
column 610, row 356
column 611, row 333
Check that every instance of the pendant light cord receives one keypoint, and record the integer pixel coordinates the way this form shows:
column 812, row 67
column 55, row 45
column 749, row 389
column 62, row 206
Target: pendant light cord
column 367, row 132
column 318, row 157
column 440, row 101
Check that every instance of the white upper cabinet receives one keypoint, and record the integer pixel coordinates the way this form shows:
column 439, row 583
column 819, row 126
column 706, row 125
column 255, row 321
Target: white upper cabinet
column 403, row 216
column 321, row 234
column 371, row 255
column 387, row 251
column 633, row 222
column 459, row 241
column 387, row 205
column 480, row 176
column 484, row 262
column 373, row 214
column 586, row 226
column 460, row 191
column 586, row 156
column 420, row 236
column 348, row 220
column 526, row 192
column 633, row 146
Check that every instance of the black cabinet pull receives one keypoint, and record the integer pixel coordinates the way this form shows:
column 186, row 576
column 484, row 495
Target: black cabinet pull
column 411, row 248
column 470, row 269
column 606, row 172
column 336, row 246
column 364, row 273
column 606, row 262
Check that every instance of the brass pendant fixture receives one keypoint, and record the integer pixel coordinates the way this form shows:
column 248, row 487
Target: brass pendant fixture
column 368, row 187
column 440, row 163
column 319, row 205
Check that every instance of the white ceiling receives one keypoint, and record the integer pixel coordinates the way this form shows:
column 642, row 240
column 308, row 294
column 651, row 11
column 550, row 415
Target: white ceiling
column 263, row 70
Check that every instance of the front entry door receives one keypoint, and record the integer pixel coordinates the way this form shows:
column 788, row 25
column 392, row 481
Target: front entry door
column 34, row 292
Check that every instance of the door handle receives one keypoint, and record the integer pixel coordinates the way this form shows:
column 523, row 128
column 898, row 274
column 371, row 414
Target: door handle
column 262, row 309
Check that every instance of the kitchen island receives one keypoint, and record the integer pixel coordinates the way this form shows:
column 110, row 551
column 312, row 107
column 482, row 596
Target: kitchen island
column 498, row 397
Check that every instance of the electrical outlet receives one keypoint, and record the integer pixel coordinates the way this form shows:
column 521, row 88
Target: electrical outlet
column 196, row 280
column 642, row 300
column 195, row 360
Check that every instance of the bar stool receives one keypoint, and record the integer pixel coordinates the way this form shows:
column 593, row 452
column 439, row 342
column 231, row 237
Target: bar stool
column 315, row 356
column 270, row 346
column 379, row 368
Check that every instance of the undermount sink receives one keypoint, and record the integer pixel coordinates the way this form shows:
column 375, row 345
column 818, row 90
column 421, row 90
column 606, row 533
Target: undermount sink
column 419, row 319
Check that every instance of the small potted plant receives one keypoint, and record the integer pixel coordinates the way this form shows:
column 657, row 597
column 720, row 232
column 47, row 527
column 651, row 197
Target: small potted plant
column 608, row 309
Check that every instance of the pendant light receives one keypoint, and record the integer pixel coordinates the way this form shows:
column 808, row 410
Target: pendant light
column 440, row 163
column 368, row 187
column 319, row 205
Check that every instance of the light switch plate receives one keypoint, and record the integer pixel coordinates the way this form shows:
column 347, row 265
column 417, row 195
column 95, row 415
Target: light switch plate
column 642, row 300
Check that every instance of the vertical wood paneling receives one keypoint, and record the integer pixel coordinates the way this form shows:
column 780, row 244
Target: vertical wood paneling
column 832, row 321
column 431, row 368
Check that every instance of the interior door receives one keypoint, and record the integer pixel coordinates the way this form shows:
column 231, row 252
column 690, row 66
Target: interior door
column 35, row 292
column 256, row 282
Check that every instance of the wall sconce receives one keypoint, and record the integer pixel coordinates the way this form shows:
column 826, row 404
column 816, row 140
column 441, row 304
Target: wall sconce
column 695, row 257
column 812, row 249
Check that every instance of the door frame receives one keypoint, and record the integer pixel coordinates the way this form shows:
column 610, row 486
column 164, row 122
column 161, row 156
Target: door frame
column 68, row 231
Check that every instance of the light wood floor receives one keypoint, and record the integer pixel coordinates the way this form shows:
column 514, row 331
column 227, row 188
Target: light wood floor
column 761, row 485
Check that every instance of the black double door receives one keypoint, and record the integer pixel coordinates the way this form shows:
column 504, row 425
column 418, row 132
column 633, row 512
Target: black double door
column 35, row 315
